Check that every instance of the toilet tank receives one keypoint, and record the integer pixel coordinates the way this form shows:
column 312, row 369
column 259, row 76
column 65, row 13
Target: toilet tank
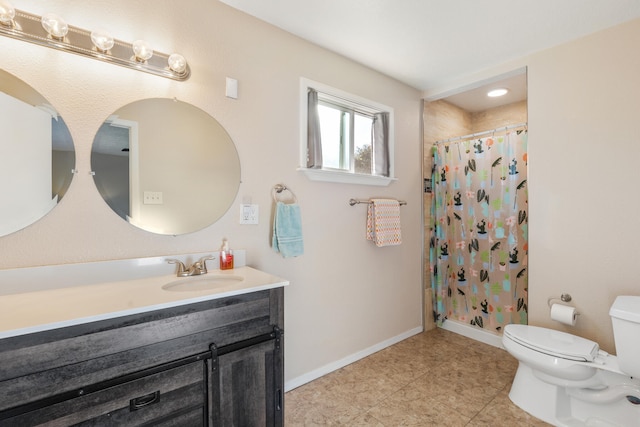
column 625, row 317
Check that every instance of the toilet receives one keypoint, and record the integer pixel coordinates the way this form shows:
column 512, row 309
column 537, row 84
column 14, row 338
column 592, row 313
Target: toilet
column 567, row 380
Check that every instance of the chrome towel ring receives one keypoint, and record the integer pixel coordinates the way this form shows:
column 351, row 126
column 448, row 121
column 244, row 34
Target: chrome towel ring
column 278, row 189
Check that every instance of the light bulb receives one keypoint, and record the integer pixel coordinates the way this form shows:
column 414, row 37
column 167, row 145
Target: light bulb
column 177, row 63
column 142, row 50
column 102, row 39
column 7, row 13
column 55, row 25
column 497, row 92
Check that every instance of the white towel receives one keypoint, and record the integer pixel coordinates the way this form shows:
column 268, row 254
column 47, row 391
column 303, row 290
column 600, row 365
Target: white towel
column 383, row 222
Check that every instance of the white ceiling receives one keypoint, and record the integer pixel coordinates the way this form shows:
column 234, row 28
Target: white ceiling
column 426, row 43
column 476, row 99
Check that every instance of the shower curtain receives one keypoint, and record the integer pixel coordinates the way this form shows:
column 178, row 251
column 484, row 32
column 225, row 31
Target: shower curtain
column 478, row 246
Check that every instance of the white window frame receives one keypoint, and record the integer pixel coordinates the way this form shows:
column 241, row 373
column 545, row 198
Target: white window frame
column 341, row 176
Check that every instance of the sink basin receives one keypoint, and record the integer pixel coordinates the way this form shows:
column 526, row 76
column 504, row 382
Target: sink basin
column 202, row 283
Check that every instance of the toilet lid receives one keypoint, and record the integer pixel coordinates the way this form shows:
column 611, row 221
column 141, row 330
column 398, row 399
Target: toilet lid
column 553, row 343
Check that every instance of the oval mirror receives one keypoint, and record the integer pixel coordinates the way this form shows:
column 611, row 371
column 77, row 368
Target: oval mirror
column 37, row 156
column 165, row 166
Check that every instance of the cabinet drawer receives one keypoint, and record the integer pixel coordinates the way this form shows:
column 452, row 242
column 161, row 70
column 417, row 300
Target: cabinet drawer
column 171, row 397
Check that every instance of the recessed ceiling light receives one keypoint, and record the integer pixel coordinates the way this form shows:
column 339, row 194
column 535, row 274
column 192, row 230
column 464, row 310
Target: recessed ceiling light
column 497, row 92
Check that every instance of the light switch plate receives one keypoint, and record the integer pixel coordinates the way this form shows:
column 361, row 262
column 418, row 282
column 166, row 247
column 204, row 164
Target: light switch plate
column 249, row 214
column 231, row 90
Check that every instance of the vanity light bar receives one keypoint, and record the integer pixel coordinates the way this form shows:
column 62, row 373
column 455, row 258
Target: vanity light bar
column 31, row 28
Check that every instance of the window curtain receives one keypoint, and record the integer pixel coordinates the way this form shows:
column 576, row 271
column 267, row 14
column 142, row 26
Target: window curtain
column 314, row 142
column 380, row 141
column 479, row 222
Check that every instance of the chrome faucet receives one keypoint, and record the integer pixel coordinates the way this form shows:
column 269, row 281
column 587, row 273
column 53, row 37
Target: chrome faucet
column 197, row 268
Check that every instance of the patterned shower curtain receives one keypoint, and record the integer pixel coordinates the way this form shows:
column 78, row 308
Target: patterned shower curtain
column 478, row 247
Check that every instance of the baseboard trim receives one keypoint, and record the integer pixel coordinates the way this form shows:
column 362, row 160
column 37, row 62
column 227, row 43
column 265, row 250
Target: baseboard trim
column 473, row 333
column 334, row 366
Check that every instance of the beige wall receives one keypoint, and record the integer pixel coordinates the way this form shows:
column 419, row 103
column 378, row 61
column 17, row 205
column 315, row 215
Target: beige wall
column 346, row 295
column 583, row 150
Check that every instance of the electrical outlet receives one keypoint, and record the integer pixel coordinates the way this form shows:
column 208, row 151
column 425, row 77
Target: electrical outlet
column 152, row 198
column 249, row 214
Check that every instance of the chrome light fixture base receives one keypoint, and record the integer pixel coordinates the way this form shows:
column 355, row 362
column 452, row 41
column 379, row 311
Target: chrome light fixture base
column 27, row 27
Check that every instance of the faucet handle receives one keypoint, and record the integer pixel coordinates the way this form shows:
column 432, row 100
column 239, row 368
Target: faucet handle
column 182, row 270
column 203, row 263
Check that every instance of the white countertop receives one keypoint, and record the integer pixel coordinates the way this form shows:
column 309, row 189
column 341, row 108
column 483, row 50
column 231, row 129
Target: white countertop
column 41, row 310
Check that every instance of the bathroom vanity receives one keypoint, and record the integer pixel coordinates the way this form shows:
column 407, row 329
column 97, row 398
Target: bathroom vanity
column 127, row 342
column 184, row 358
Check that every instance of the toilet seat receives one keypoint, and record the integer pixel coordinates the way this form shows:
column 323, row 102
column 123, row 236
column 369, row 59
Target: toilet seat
column 553, row 343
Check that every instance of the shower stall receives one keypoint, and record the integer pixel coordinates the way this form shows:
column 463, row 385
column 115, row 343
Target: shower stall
column 478, row 219
column 476, row 215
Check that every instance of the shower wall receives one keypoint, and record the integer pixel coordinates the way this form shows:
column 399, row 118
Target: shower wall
column 443, row 120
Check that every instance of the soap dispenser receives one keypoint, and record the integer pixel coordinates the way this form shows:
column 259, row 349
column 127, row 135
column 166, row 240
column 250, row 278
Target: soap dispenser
column 226, row 256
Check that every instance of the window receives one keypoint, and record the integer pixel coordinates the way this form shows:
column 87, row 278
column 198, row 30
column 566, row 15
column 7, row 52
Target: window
column 344, row 138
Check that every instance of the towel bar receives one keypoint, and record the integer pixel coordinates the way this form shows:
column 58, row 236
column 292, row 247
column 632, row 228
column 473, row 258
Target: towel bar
column 353, row 202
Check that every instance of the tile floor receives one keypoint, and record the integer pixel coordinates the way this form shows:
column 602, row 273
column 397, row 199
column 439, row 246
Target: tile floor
column 436, row 378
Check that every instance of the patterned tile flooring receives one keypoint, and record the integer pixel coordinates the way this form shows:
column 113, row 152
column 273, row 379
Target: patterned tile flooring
column 436, row 378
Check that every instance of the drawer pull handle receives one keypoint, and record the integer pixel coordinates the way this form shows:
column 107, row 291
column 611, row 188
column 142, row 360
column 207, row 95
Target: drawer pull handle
column 142, row 401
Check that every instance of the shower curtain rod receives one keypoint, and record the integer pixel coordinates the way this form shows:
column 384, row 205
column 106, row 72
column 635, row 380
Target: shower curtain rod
column 486, row 132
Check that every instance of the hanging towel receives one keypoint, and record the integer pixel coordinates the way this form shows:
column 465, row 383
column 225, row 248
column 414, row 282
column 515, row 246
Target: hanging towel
column 287, row 230
column 383, row 222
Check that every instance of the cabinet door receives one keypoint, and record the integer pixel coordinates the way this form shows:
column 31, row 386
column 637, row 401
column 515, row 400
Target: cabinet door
column 247, row 386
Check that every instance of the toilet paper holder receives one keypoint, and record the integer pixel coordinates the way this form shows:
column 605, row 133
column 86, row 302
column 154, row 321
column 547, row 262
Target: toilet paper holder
column 563, row 298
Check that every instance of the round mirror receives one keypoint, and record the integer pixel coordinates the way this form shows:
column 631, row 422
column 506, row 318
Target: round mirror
column 37, row 157
column 165, row 166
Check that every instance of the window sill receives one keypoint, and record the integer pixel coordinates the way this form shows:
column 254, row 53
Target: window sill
column 346, row 177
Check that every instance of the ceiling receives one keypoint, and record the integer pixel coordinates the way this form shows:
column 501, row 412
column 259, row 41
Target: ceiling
column 427, row 43
column 476, row 99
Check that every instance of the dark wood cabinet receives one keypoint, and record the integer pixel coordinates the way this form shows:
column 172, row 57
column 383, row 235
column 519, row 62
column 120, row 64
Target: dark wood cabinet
column 152, row 399
column 246, row 383
column 217, row 362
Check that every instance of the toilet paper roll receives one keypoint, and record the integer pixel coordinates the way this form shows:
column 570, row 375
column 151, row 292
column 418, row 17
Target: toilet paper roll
column 564, row 314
